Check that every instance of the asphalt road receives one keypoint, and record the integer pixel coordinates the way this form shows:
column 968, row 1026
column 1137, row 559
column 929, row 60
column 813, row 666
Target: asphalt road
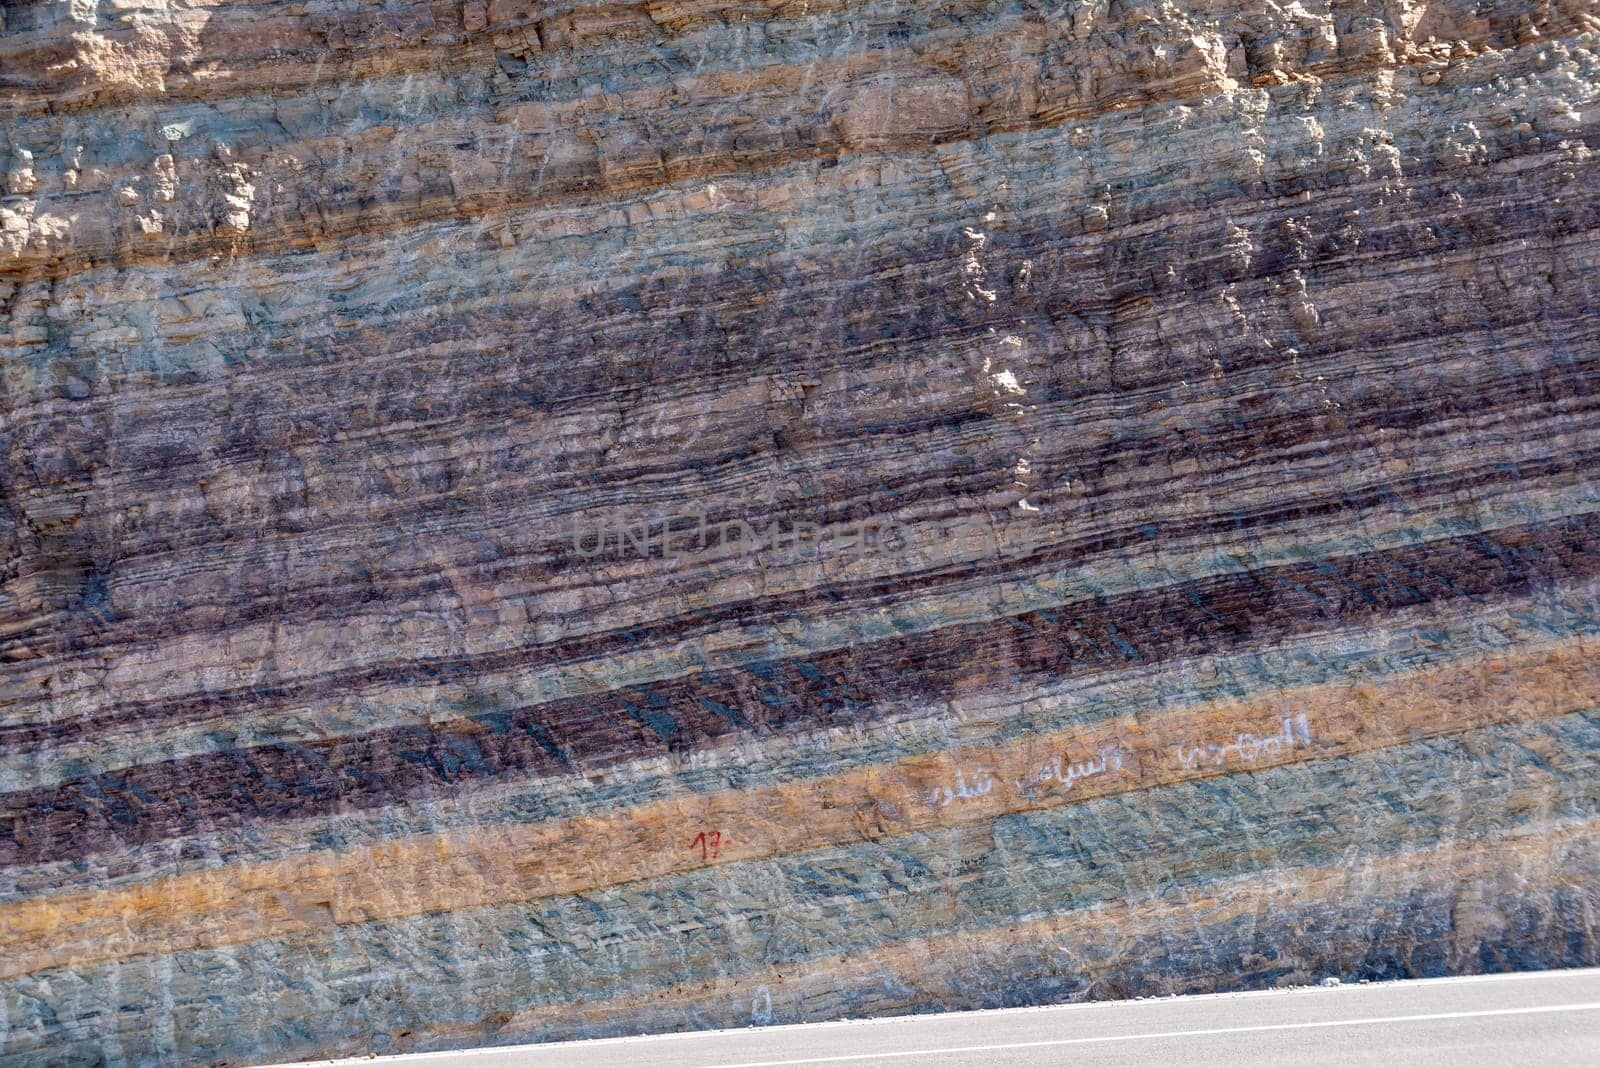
column 1535, row 1018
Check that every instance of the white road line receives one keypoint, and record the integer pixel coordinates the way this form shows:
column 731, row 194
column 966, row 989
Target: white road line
column 1585, row 1006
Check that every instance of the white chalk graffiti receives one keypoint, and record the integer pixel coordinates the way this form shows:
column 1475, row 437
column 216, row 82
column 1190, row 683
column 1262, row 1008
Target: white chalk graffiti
column 1108, row 758
column 1247, row 747
column 761, row 1006
column 982, row 784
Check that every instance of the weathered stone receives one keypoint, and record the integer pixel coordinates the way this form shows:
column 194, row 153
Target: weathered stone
column 523, row 523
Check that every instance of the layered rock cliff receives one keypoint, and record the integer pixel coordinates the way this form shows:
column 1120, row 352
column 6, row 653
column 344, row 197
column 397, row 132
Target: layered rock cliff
column 525, row 521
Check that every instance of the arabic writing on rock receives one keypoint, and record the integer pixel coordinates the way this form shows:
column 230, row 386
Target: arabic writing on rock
column 982, row 784
column 1246, row 747
column 1108, row 758
column 1052, row 772
column 1061, row 773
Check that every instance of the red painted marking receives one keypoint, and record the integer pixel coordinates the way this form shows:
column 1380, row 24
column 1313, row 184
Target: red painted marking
column 710, row 844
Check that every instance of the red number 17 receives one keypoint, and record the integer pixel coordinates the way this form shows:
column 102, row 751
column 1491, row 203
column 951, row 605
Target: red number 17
column 709, row 844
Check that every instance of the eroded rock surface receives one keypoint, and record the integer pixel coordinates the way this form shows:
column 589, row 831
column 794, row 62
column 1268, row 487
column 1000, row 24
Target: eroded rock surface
column 529, row 521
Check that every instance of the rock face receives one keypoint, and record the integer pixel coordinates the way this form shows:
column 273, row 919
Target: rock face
column 525, row 521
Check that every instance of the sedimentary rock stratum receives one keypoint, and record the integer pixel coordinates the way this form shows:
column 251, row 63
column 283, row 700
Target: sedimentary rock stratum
column 523, row 521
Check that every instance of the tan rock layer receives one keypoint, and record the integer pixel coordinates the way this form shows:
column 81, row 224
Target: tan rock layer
column 431, row 873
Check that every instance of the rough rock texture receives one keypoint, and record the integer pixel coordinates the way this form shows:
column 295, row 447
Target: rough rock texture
column 1217, row 382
